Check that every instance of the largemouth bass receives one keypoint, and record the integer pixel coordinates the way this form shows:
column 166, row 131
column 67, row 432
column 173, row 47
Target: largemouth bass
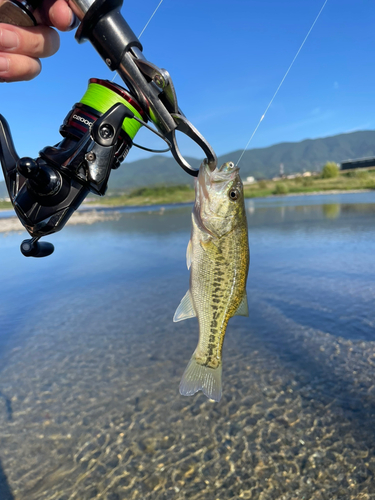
column 218, row 255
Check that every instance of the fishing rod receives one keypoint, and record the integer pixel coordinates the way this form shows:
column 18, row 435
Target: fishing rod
column 99, row 130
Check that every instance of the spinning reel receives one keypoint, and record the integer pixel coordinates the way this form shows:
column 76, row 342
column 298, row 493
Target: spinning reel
column 99, row 130
column 97, row 135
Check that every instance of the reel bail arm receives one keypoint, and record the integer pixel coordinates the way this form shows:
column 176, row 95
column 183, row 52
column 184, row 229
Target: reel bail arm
column 104, row 26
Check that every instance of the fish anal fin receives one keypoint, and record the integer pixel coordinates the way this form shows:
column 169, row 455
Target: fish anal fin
column 185, row 310
column 243, row 308
column 189, row 252
column 199, row 377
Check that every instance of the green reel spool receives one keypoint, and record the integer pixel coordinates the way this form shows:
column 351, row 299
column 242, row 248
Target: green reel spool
column 101, row 95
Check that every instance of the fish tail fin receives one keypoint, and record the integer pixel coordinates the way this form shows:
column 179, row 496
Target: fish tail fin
column 198, row 377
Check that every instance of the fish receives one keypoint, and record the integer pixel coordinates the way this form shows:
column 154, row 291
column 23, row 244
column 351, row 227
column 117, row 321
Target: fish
column 218, row 258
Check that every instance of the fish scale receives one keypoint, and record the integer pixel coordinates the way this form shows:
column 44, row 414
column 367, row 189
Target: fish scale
column 219, row 256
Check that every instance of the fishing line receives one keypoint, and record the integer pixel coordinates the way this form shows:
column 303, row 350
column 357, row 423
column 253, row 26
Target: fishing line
column 148, row 22
column 282, row 81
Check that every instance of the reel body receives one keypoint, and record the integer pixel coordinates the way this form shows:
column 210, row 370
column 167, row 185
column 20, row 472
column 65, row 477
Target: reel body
column 97, row 135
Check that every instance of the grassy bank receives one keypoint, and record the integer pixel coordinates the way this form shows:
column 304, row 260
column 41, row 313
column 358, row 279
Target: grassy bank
column 161, row 195
column 346, row 181
column 5, row 205
column 349, row 181
column 158, row 195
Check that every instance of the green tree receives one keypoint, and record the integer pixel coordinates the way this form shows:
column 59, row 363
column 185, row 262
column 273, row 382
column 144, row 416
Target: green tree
column 330, row 170
column 281, row 188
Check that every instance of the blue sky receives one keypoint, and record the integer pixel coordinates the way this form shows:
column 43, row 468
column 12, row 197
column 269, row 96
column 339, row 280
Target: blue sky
column 226, row 59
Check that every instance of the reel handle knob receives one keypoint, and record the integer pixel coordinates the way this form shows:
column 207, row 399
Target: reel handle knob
column 42, row 179
column 32, row 248
column 28, row 168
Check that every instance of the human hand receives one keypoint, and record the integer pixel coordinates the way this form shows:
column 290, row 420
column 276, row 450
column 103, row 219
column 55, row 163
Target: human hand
column 21, row 48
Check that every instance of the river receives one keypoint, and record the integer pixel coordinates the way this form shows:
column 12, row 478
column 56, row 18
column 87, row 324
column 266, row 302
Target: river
column 90, row 361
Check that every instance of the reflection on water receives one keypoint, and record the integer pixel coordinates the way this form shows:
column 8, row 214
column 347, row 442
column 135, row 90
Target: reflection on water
column 332, row 210
column 90, row 362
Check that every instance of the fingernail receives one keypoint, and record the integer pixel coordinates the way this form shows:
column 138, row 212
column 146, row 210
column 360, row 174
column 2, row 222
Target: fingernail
column 4, row 64
column 74, row 22
column 8, row 39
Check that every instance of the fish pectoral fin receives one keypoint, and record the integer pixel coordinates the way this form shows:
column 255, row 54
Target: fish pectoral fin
column 185, row 310
column 243, row 308
column 211, row 249
column 189, row 252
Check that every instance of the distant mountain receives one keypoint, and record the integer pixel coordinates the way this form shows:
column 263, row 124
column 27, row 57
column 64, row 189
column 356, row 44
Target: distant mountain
column 307, row 155
column 310, row 154
column 156, row 170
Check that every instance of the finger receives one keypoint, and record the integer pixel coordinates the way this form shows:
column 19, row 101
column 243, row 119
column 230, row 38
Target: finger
column 57, row 13
column 38, row 41
column 15, row 67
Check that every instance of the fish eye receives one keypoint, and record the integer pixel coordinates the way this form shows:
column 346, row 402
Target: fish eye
column 233, row 194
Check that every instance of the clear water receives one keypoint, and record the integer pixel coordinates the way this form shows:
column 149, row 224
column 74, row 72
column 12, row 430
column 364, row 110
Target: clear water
column 90, row 361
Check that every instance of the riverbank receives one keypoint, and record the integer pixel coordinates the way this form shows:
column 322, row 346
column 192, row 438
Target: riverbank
column 12, row 224
column 345, row 182
column 90, row 213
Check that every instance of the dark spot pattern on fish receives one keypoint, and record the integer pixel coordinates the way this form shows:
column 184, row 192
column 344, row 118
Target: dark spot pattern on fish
column 211, row 348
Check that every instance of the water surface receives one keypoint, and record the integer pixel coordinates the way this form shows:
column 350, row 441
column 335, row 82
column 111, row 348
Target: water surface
column 90, row 361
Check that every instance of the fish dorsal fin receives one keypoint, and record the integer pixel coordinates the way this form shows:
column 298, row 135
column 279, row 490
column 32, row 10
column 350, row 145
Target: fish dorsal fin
column 189, row 252
column 243, row 308
column 185, row 310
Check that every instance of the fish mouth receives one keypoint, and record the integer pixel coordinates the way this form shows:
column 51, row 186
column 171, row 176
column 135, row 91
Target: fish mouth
column 228, row 168
column 208, row 178
column 226, row 172
column 203, row 181
column 211, row 188
column 202, row 186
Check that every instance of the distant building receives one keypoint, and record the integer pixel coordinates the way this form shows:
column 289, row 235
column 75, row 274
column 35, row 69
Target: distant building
column 359, row 163
column 250, row 179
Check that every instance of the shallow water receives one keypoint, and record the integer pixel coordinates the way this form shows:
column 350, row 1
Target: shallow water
column 90, row 361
